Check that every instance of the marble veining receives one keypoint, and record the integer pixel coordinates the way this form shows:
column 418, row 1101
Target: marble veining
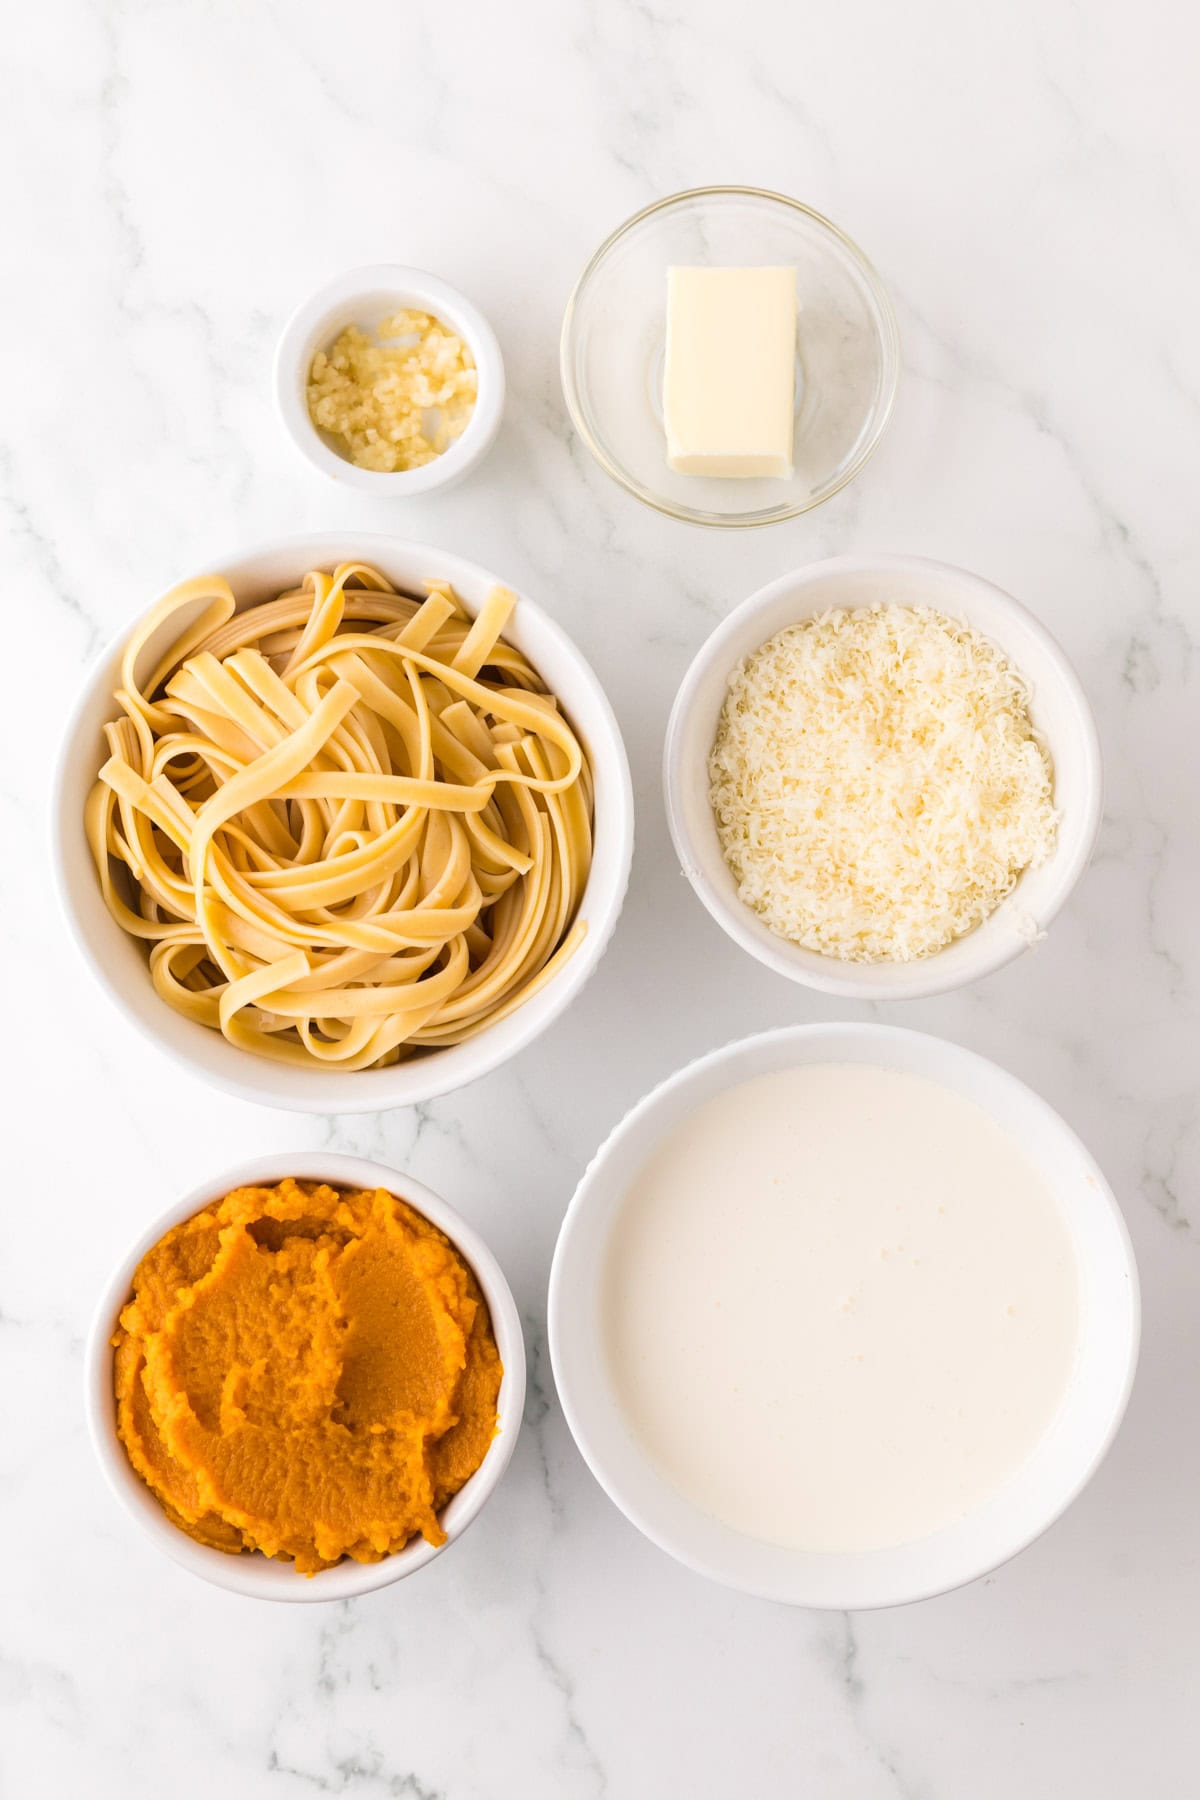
column 1026, row 181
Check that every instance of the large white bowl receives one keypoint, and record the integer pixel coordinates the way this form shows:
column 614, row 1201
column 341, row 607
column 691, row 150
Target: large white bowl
column 249, row 1573
column 1059, row 710
column 1031, row 1500
column 120, row 964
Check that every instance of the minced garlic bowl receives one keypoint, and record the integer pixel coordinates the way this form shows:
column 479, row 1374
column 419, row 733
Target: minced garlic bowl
column 389, row 380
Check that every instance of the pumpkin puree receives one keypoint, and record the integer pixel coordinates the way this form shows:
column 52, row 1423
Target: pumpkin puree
column 306, row 1371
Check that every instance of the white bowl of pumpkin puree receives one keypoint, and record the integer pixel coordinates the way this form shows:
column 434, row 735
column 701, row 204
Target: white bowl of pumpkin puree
column 306, row 1379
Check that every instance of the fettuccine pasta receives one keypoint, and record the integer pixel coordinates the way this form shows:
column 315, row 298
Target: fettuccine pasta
column 349, row 824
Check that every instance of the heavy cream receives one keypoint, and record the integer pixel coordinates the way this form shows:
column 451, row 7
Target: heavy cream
column 840, row 1307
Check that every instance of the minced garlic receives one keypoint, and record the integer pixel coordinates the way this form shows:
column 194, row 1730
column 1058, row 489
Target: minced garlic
column 398, row 400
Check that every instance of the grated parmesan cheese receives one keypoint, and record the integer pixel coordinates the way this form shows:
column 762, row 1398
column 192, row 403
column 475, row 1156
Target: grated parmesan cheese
column 877, row 782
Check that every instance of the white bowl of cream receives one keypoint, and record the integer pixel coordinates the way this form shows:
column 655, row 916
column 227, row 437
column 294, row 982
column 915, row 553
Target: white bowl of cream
column 843, row 1315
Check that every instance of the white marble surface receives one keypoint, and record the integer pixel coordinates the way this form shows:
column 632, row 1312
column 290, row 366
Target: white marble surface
column 1025, row 177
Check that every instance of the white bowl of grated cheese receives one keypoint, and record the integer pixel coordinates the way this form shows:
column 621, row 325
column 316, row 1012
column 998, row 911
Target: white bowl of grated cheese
column 911, row 884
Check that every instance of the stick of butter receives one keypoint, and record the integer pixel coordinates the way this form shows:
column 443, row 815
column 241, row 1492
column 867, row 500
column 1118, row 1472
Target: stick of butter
column 729, row 389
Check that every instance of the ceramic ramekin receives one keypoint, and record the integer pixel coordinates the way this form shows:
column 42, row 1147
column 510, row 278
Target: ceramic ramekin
column 363, row 297
column 120, row 964
column 1059, row 709
column 249, row 1573
column 1035, row 1496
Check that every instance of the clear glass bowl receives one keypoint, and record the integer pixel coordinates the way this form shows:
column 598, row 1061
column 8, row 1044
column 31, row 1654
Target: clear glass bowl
column 614, row 348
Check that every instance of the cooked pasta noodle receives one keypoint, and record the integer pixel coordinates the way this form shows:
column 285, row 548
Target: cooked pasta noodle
column 350, row 824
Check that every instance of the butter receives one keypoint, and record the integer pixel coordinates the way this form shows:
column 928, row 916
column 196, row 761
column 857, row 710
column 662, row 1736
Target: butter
column 729, row 387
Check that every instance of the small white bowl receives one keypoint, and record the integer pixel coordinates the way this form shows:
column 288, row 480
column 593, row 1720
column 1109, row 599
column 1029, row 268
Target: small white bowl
column 250, row 1573
column 1059, row 1468
column 363, row 297
column 1059, row 710
column 119, row 963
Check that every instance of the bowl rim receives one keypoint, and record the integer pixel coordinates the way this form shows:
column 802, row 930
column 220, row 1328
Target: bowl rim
column 731, row 1054
column 889, row 340
column 250, row 1574
column 411, row 285
column 336, row 1091
column 922, row 978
